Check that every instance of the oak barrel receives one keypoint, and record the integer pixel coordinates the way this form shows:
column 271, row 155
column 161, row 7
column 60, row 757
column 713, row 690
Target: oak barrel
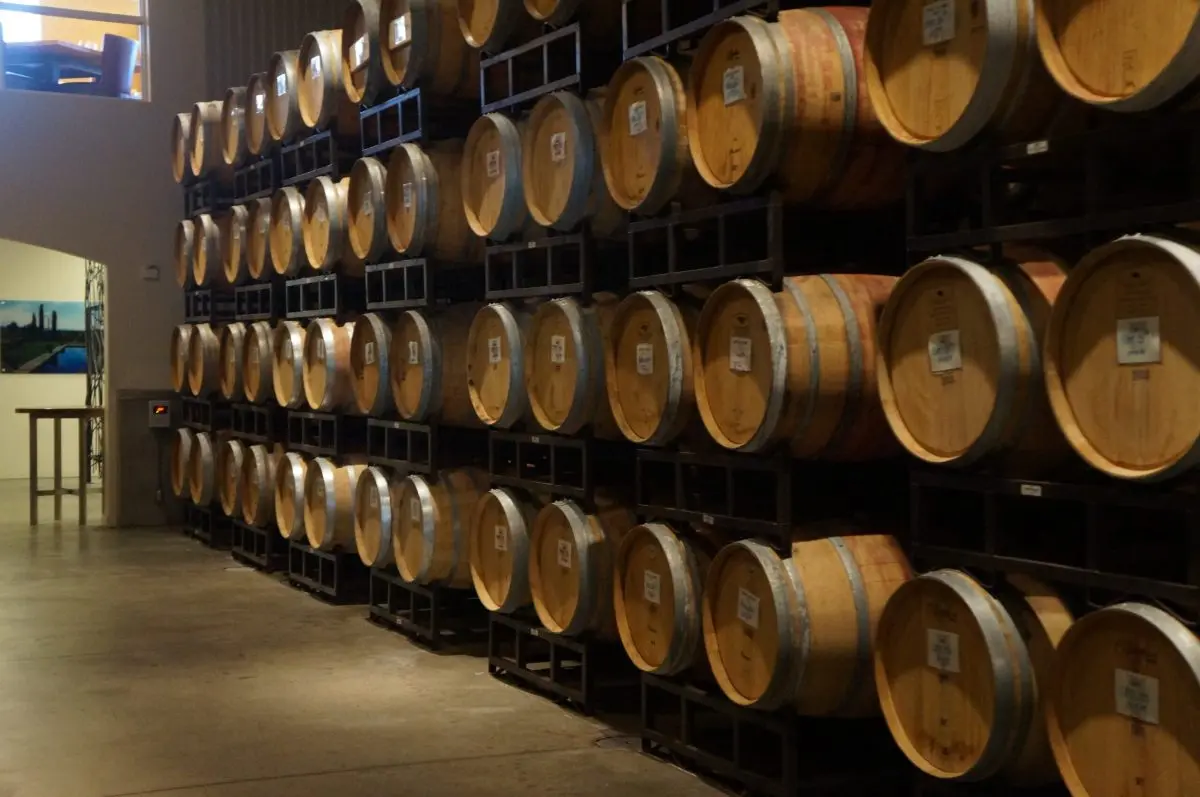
column 799, row 631
column 184, row 251
column 204, row 351
column 289, row 496
column 182, row 440
column 499, row 549
column 1123, row 328
column 258, row 238
column 426, row 370
column 286, row 227
column 233, row 126
column 491, row 24
column 233, row 231
column 258, row 137
column 202, row 467
column 493, row 199
column 564, row 366
column 181, row 146
column 369, row 376
column 597, row 19
column 287, row 369
column 259, row 466
column 283, row 101
column 960, row 359
column 327, row 364
column 783, row 103
column 366, row 210
column 230, row 458
column 430, row 535
column 181, row 338
column 207, row 268
column 329, row 504
column 362, row 67
column 325, row 227
column 496, row 364
column 423, row 47
column 258, row 363
column 374, row 517
column 229, row 357
column 959, row 674
column 320, row 78
column 205, row 151
column 797, row 367
column 425, row 204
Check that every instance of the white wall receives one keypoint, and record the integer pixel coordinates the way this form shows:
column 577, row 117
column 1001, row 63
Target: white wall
column 32, row 273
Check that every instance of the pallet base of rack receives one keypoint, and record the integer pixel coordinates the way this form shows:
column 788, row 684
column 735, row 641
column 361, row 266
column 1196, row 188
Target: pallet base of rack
column 262, row 549
column 336, row 577
column 424, row 447
column 208, row 524
column 205, row 414
column 563, row 466
column 326, row 434
column 437, row 616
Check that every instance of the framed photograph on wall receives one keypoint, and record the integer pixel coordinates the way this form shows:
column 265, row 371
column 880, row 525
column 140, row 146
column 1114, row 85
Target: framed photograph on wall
column 42, row 337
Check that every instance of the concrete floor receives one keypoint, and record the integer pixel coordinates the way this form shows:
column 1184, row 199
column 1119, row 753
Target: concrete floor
column 140, row 663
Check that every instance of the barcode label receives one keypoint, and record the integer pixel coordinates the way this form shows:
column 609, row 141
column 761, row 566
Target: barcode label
column 501, row 535
column 406, row 192
column 747, row 609
column 942, row 653
column 637, row 118
column 558, row 349
column 937, row 22
column 314, row 66
column 733, row 85
column 414, row 510
column 359, row 55
column 1138, row 341
column 414, row 353
column 493, row 163
column 558, row 147
column 369, row 353
column 494, row 351
column 739, row 355
column 399, row 31
column 281, row 84
column 1032, row 490
column 1037, row 147
column 564, row 554
column 645, row 359
column 945, row 354
column 652, row 587
column 1137, row 696
column 260, row 102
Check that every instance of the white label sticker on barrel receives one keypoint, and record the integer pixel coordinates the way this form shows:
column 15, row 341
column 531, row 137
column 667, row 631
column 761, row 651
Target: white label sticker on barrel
column 264, row 222
column 945, row 354
column 406, row 193
column 1031, row 490
column 494, row 350
column 414, row 510
column 260, row 102
column 937, row 22
column 493, row 163
column 942, row 650
column 320, row 350
column 645, row 359
column 739, row 355
column 558, row 349
column 733, row 84
column 1137, row 696
column 747, row 607
column 1138, row 341
column 369, row 353
column 399, row 31
column 564, row 554
column 359, row 56
column 414, row 353
column 314, row 66
column 637, row 118
column 558, row 147
column 652, row 587
column 281, row 84
column 501, row 536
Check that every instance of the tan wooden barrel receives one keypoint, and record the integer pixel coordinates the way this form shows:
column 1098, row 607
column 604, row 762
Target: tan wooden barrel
column 230, row 352
column 329, row 504
column 289, row 496
column 648, row 367
column 499, row 549
column 571, row 566
column 660, row 576
column 423, row 46
column 205, row 150
column 259, row 466
column 233, row 126
column 799, row 631
column 181, row 146
column 596, row 19
column 1122, row 703
column 258, row 362
column 230, row 458
column 181, row 337
column 257, row 245
column 783, row 103
column 362, row 67
column 960, row 365
column 959, row 674
column 287, row 367
column 425, row 368
column 366, row 210
column 493, row 199
column 233, row 231
column 182, row 441
column 491, row 24
column 645, row 154
column 327, row 364
column 430, row 536
column 370, row 344
column 374, row 517
column 325, row 227
column 496, row 365
column 258, row 137
column 202, row 469
column 1127, row 57
column 560, row 165
column 283, row 99
column 939, row 81
column 1122, row 328
column 184, row 251
column 564, row 366
column 207, row 269
column 202, row 361
column 424, row 203
column 796, row 367
column 320, row 71
column 286, row 226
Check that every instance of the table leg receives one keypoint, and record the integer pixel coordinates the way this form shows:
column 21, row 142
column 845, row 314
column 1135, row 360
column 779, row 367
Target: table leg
column 58, row 494
column 33, row 471
column 83, row 471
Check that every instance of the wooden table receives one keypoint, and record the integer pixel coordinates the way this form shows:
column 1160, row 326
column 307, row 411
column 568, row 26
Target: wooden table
column 58, row 414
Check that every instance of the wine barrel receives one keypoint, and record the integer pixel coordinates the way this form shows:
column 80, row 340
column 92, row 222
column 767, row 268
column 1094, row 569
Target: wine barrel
column 324, row 227
column 258, row 362
column 374, row 518
column 182, row 441
column 493, row 199
column 490, row 24
column 423, row 46
column 202, row 469
column 498, row 547
column 289, row 496
column 369, row 378
column 1121, row 704
column 959, row 674
column 430, row 535
column 287, row 368
column 648, row 368
column 571, row 566
column 782, row 103
column 960, row 373
column 799, row 631
column 366, row 210
column 230, row 458
column 320, row 78
column 645, row 152
column 1122, row 328
column 329, row 504
column 181, row 338
column 283, row 103
column 229, row 358
column 233, row 126
column 496, row 365
column 202, row 361
column 258, row 238
column 564, row 366
column 181, row 146
column 798, row 366
column 184, row 251
column 425, row 367
column 1158, row 43
column 233, row 231
column 598, row 19
column 327, row 364
column 207, row 269
column 424, row 204
column 259, row 466
column 560, row 165
column 258, row 137
column 286, row 226
column 205, row 151
column 362, row 67
column 659, row 582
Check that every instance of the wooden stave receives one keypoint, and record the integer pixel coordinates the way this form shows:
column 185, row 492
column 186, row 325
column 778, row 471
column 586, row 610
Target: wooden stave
column 325, row 48
column 182, row 440
column 181, row 337
column 202, row 475
column 258, row 137
column 283, row 110
column 519, row 516
column 203, row 352
column 231, row 457
column 374, row 326
column 440, row 229
column 444, row 559
column 258, row 238
column 324, row 229
column 589, row 332
column 442, row 344
column 433, row 24
column 510, row 24
column 334, row 341
column 515, row 324
column 207, row 268
column 184, row 251
column 181, row 136
column 233, row 126
column 230, row 353
column 331, row 506
column 289, row 478
column 362, row 84
column 374, row 477
column 233, row 244
column 258, row 480
column 287, row 207
column 258, row 382
column 514, row 213
column 205, row 150
column 291, row 333
column 366, row 192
